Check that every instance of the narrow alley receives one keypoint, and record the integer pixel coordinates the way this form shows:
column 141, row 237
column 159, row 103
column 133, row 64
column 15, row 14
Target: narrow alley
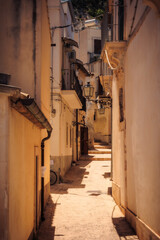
column 79, row 100
column 82, row 207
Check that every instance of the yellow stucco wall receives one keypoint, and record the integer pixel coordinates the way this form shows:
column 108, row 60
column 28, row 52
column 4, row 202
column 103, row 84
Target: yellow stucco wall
column 4, row 166
column 23, row 138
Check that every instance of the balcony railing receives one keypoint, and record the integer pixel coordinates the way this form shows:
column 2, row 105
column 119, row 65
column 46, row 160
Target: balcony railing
column 70, row 82
column 113, row 23
column 66, row 85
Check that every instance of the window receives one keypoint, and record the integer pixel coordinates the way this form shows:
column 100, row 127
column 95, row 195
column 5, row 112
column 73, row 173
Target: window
column 97, row 46
column 121, row 104
column 66, row 134
column 94, row 117
column 120, row 20
column 70, row 136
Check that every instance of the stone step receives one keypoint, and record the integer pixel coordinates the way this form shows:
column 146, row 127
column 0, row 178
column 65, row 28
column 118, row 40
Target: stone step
column 96, row 157
column 96, row 151
column 100, row 143
column 102, row 147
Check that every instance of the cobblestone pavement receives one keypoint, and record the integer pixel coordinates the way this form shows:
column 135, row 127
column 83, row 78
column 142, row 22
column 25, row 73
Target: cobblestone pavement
column 81, row 208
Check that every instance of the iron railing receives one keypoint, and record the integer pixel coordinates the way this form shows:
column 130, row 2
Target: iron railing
column 70, row 82
column 113, row 23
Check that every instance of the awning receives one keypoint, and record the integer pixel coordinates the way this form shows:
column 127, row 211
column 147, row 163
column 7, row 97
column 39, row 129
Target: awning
column 70, row 42
column 72, row 99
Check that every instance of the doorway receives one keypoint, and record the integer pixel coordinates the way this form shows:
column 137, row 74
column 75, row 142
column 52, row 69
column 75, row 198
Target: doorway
column 84, row 140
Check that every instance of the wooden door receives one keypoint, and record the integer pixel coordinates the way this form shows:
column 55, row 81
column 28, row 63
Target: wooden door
column 84, row 140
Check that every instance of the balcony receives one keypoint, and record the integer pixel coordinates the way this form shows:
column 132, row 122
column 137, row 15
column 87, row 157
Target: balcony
column 71, row 90
column 113, row 23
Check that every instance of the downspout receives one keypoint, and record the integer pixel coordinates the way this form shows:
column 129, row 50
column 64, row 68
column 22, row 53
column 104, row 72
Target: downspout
column 76, row 135
column 111, row 146
column 42, row 178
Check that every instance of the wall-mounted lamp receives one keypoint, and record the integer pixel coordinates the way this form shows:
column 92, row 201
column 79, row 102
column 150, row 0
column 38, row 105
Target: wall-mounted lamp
column 88, row 91
column 106, row 101
column 103, row 101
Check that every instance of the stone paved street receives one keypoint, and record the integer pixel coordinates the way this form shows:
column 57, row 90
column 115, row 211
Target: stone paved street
column 81, row 208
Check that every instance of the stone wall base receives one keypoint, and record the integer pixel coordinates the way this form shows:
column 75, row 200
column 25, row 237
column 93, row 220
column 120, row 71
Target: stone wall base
column 116, row 193
column 143, row 231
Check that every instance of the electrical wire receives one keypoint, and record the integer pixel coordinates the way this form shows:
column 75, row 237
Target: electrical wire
column 65, row 26
column 133, row 19
column 109, row 61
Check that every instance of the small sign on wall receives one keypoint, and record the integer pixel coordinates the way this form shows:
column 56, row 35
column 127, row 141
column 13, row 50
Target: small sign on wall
column 51, row 162
column 43, row 169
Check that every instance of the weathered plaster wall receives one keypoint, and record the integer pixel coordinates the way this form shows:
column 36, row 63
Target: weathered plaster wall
column 17, row 46
column 68, row 19
column 86, row 46
column 102, row 126
column 56, row 19
column 61, row 152
column 143, row 117
column 89, row 120
column 118, row 157
column 61, row 149
column 81, row 53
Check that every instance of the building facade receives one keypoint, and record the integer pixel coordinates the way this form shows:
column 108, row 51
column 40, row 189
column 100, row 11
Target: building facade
column 66, row 92
column 98, row 123
column 25, row 113
column 131, row 50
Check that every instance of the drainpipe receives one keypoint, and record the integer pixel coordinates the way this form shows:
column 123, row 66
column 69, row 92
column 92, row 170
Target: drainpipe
column 42, row 178
column 111, row 144
column 77, row 135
